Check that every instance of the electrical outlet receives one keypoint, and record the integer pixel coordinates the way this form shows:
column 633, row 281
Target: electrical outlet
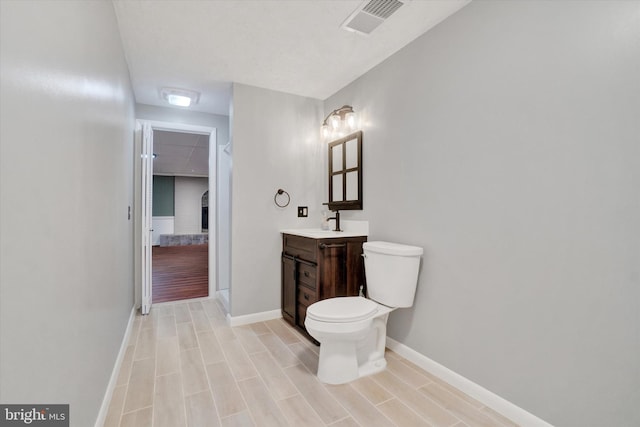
column 303, row 211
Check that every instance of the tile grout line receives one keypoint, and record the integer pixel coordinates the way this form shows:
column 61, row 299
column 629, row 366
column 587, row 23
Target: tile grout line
column 298, row 392
column 439, row 383
column 184, row 401
column 493, row 418
column 289, row 421
column 366, row 400
column 210, row 390
column 235, row 380
column 135, row 345
column 213, row 332
column 414, row 389
column 444, row 407
column 155, row 370
column 456, row 398
column 406, row 406
column 257, row 376
column 343, row 419
column 350, row 415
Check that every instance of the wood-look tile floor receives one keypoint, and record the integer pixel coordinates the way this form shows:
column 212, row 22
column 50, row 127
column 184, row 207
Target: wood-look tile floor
column 185, row 367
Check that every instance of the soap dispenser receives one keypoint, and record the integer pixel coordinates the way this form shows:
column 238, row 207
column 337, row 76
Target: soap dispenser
column 324, row 224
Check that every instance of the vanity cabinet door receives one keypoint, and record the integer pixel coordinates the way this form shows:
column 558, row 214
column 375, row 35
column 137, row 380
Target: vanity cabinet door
column 316, row 269
column 332, row 264
column 288, row 289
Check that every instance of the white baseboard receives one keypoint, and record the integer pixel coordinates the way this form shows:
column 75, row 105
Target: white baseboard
column 223, row 297
column 253, row 318
column 180, row 301
column 104, row 408
column 492, row 400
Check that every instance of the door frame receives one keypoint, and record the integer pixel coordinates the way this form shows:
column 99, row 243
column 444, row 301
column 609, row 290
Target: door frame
column 213, row 238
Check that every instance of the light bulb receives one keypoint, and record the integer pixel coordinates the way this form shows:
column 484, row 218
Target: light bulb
column 325, row 131
column 179, row 100
column 350, row 119
column 334, row 121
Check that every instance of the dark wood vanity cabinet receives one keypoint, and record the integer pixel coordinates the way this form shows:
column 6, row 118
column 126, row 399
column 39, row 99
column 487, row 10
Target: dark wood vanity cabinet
column 316, row 269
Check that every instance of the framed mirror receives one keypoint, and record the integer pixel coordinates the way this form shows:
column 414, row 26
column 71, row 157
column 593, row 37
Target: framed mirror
column 345, row 173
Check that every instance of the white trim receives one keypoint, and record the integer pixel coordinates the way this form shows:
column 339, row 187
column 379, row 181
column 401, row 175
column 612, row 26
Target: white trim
column 178, row 127
column 106, row 401
column 253, row 318
column 223, row 300
column 182, row 301
column 488, row 398
column 146, row 227
column 213, row 177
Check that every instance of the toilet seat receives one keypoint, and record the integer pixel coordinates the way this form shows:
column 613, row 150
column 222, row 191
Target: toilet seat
column 342, row 310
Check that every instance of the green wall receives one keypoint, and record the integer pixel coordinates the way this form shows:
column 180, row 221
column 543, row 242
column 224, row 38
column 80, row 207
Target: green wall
column 163, row 195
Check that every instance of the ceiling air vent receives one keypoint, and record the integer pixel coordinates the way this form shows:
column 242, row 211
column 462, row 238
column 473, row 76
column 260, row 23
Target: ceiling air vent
column 368, row 17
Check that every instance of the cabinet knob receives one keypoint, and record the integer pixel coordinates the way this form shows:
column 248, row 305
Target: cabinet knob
column 306, row 297
column 306, row 274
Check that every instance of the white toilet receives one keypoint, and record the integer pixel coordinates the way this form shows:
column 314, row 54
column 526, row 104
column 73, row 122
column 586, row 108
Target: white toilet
column 352, row 331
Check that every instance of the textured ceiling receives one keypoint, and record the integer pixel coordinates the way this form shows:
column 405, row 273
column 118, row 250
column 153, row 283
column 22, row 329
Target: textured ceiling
column 293, row 46
column 185, row 154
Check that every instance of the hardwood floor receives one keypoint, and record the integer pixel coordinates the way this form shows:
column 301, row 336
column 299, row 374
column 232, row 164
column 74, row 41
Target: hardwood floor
column 180, row 272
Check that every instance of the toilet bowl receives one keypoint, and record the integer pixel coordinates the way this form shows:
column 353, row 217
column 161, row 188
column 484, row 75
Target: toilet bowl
column 348, row 328
column 352, row 331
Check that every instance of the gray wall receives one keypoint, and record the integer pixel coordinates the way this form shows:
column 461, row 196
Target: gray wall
column 505, row 142
column 186, row 117
column 164, row 195
column 66, row 249
column 275, row 145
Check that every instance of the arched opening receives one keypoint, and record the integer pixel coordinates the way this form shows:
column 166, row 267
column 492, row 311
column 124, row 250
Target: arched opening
column 205, row 211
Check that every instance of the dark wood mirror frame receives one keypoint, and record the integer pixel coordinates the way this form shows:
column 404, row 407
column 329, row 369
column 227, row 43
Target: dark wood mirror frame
column 343, row 170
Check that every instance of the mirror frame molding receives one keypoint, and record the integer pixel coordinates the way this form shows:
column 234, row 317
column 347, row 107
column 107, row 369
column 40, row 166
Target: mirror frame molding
column 342, row 144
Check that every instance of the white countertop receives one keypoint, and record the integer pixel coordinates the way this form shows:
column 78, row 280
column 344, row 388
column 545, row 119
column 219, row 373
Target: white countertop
column 316, row 233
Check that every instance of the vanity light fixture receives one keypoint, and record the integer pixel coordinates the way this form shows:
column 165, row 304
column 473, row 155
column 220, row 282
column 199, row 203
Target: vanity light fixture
column 339, row 122
column 179, row 97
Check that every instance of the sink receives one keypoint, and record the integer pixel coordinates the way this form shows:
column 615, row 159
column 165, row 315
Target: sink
column 316, row 233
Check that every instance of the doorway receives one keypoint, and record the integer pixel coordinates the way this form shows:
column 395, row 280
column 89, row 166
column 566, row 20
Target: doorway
column 178, row 260
column 180, row 242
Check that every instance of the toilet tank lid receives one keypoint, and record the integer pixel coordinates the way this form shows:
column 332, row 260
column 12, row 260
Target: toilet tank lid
column 392, row 248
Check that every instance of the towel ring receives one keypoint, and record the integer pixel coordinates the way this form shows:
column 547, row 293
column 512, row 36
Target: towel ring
column 279, row 193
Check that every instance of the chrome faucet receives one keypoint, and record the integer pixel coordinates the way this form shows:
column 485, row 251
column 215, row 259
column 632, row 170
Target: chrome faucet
column 337, row 218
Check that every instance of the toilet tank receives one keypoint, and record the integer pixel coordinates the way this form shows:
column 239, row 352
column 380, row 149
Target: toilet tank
column 391, row 270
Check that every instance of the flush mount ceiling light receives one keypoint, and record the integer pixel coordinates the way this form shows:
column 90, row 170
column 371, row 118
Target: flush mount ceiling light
column 339, row 122
column 179, row 97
